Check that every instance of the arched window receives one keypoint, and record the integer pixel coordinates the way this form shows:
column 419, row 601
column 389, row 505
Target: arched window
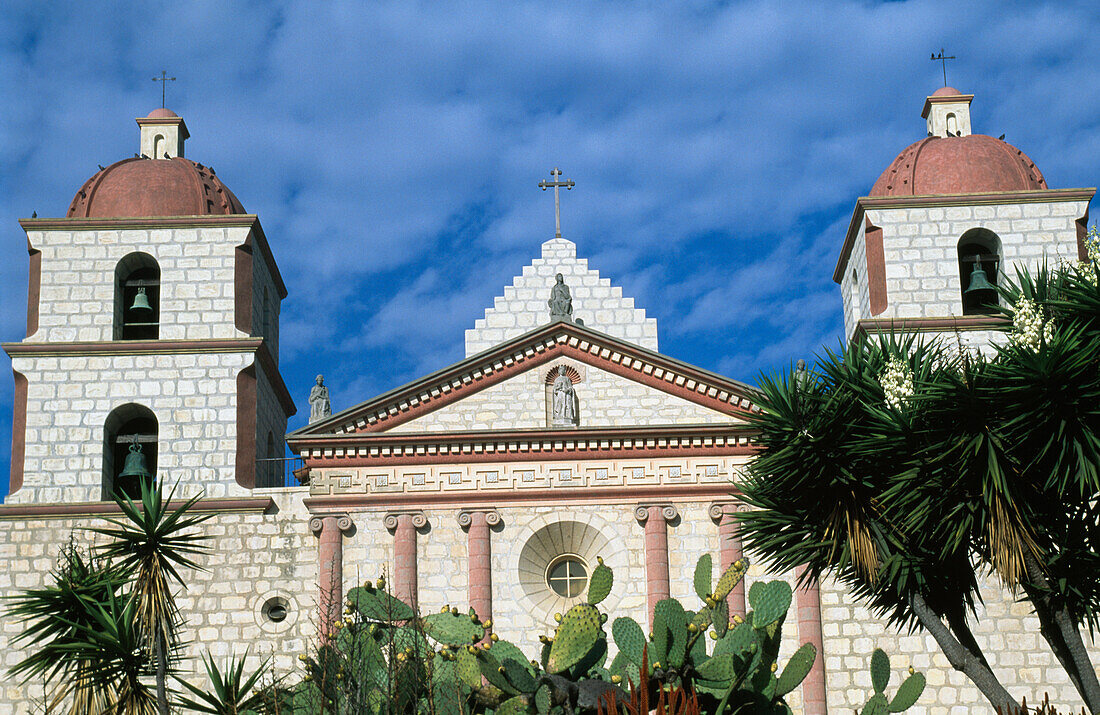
column 952, row 125
column 129, row 429
column 137, row 298
column 979, row 266
column 158, row 146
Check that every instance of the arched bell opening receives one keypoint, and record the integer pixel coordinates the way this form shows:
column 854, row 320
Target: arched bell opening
column 129, row 450
column 979, row 253
column 137, row 298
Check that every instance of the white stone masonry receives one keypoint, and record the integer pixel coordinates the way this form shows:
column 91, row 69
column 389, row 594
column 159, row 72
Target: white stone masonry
column 523, row 306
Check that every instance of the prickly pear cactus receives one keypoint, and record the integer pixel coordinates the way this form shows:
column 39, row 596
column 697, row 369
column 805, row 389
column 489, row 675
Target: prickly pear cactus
column 453, row 629
column 599, row 584
column 906, row 696
column 575, row 636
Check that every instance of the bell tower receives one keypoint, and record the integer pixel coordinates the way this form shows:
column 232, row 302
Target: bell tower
column 951, row 217
column 152, row 336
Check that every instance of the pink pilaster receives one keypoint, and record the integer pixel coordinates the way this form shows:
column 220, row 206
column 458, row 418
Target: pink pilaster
column 808, row 603
column 478, row 523
column 655, row 517
column 729, row 549
column 330, row 557
column 404, row 525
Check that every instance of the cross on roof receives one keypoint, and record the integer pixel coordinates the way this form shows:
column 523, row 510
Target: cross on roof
column 164, row 79
column 943, row 60
column 556, row 184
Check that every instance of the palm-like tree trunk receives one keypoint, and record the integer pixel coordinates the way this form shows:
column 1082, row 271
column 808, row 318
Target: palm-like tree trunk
column 162, row 675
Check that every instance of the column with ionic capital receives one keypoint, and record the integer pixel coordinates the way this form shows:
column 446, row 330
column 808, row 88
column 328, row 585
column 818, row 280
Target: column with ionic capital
column 655, row 517
column 808, row 604
column 330, row 557
column 729, row 548
column 404, row 524
column 478, row 523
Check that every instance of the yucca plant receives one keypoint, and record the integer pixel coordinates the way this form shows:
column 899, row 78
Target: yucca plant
column 897, row 464
column 230, row 693
column 151, row 542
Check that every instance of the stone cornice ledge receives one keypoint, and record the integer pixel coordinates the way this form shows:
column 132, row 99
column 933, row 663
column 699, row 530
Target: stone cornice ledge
column 220, row 505
column 131, row 222
column 135, row 347
column 870, row 326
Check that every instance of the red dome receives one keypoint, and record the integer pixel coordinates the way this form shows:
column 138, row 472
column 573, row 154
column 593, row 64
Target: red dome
column 162, row 113
column 154, row 187
column 941, row 92
column 959, row 165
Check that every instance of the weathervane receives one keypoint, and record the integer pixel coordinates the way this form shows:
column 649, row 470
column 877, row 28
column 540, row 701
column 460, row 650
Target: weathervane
column 943, row 60
column 556, row 184
column 164, row 79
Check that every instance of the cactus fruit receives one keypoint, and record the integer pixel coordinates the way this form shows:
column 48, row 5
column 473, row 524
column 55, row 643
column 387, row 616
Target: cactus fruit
column 599, row 584
column 578, row 632
column 703, row 575
column 770, row 602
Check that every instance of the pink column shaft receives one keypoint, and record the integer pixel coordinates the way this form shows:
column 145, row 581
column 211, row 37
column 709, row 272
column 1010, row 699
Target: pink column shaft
column 656, row 558
column 404, row 560
column 808, row 603
column 331, row 555
column 481, row 572
column 730, row 550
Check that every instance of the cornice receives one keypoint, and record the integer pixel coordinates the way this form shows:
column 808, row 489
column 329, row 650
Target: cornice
column 228, row 505
column 946, row 324
column 137, row 222
column 863, row 203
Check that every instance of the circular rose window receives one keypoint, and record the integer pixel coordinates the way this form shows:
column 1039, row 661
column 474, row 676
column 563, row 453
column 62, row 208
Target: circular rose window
column 567, row 576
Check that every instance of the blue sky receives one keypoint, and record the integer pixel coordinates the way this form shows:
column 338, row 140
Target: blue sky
column 392, row 150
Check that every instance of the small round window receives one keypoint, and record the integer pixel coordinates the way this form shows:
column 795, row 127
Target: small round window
column 276, row 609
column 567, row 576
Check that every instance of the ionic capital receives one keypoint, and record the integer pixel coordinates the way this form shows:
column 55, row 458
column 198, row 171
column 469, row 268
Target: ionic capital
column 317, row 523
column 419, row 520
column 465, row 517
column 720, row 509
column 668, row 512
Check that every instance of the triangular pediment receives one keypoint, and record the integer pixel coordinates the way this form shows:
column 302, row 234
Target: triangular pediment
column 618, row 384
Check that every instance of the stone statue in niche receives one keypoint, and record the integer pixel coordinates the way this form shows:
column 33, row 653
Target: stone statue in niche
column 319, row 406
column 561, row 303
column 564, row 400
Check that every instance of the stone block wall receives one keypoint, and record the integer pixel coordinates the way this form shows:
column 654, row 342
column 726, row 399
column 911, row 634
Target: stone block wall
column 78, row 281
column 266, row 303
column 70, row 396
column 921, row 248
column 523, row 306
column 854, row 293
column 253, row 557
column 605, row 400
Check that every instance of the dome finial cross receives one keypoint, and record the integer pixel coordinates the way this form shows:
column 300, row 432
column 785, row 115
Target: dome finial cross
column 164, row 79
column 943, row 60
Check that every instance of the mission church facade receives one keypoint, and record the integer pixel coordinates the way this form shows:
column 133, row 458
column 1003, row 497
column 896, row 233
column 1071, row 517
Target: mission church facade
column 564, row 434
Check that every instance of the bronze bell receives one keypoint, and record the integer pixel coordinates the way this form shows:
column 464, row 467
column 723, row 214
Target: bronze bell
column 135, row 463
column 978, row 280
column 141, row 301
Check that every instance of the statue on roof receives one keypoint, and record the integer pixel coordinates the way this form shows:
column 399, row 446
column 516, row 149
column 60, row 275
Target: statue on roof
column 561, row 302
column 319, row 406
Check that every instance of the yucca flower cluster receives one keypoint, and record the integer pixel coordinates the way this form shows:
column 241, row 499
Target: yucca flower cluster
column 897, row 383
column 1090, row 265
column 1029, row 328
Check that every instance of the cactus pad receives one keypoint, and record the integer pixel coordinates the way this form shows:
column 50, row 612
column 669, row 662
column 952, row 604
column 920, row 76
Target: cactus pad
column 599, row 585
column 880, row 670
column 718, row 669
column 720, row 616
column 518, row 675
column 542, row 700
column 578, row 632
column 770, row 602
column 875, row 706
column 703, row 569
column 450, row 629
column 907, row 694
column 797, row 668
column 513, row 706
column 677, row 620
column 730, row 577
column 629, row 638
column 468, row 669
column 375, row 605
